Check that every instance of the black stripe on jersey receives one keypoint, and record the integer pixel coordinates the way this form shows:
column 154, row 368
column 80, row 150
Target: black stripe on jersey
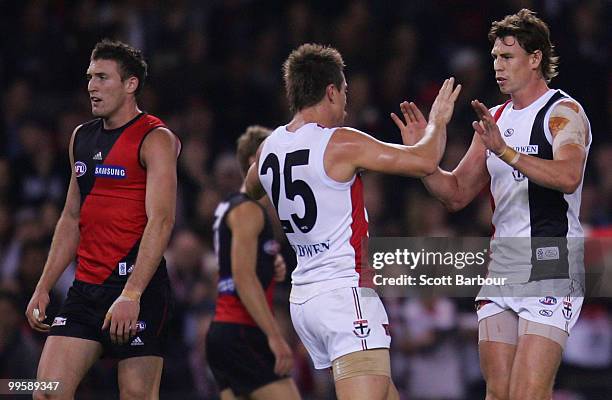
column 122, row 272
column 547, row 211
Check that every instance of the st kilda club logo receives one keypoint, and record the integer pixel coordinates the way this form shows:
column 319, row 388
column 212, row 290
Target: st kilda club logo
column 361, row 329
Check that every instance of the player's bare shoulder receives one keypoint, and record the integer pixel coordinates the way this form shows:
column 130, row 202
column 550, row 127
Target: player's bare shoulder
column 568, row 124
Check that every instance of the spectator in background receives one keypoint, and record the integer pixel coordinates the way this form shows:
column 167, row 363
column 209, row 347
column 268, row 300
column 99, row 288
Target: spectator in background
column 431, row 348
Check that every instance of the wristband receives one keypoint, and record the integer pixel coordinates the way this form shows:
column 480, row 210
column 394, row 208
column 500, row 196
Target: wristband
column 509, row 155
column 131, row 294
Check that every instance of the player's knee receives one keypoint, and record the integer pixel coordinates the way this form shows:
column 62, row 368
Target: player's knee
column 47, row 396
column 494, row 396
column 498, row 390
column 532, row 389
column 135, row 392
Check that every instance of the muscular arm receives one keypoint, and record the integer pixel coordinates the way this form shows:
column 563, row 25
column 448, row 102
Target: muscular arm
column 349, row 149
column 63, row 248
column 246, row 222
column 569, row 131
column 159, row 153
column 458, row 188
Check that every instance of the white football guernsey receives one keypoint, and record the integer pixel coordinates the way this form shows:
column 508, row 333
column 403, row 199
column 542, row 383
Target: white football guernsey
column 532, row 223
column 325, row 220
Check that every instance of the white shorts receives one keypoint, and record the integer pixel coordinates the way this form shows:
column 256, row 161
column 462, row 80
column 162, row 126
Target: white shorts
column 558, row 311
column 340, row 322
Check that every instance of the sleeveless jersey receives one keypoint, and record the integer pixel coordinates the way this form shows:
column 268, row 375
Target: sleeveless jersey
column 229, row 308
column 531, row 223
column 112, row 182
column 325, row 220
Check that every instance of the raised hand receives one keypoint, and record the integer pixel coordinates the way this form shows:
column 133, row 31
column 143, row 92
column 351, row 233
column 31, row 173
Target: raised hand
column 444, row 104
column 487, row 129
column 413, row 130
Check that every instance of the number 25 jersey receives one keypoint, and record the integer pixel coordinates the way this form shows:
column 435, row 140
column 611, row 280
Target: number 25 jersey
column 325, row 220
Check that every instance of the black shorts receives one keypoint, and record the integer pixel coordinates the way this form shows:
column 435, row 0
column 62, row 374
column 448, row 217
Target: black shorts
column 86, row 305
column 239, row 357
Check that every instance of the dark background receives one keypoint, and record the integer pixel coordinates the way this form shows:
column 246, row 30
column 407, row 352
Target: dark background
column 214, row 70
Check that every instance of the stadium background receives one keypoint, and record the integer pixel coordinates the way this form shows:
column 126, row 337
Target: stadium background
column 214, row 70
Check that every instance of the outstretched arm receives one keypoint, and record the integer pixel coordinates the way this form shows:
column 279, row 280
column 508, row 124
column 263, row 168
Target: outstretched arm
column 458, row 188
column 350, row 149
column 454, row 189
column 569, row 129
column 62, row 252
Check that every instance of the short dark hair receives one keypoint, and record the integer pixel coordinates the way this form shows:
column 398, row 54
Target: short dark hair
column 248, row 143
column 130, row 59
column 532, row 34
column 308, row 70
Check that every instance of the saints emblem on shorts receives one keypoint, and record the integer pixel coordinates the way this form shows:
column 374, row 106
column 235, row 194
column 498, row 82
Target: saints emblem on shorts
column 361, row 329
column 567, row 308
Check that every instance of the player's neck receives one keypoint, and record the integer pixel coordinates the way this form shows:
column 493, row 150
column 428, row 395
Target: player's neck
column 122, row 116
column 528, row 94
column 315, row 114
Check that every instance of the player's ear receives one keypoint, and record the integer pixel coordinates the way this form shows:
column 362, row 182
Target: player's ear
column 330, row 92
column 535, row 59
column 131, row 84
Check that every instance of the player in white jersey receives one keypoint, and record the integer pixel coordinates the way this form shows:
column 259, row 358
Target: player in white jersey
column 536, row 170
column 310, row 170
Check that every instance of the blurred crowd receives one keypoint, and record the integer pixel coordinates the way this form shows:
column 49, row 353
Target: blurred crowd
column 215, row 69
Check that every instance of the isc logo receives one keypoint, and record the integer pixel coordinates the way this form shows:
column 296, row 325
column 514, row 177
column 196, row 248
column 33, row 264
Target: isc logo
column 80, row 168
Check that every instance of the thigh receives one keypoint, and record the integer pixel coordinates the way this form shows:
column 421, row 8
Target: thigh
column 67, row 360
column 496, row 363
column 502, row 327
column 363, row 387
column 139, row 377
column 283, row 389
column 534, row 368
column 363, row 375
column 497, row 341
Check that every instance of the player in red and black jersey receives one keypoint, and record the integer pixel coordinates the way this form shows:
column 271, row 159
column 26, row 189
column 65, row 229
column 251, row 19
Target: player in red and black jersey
column 245, row 348
column 117, row 220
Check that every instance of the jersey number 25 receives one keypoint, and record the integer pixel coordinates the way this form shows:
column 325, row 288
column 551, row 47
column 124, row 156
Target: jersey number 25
column 293, row 188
